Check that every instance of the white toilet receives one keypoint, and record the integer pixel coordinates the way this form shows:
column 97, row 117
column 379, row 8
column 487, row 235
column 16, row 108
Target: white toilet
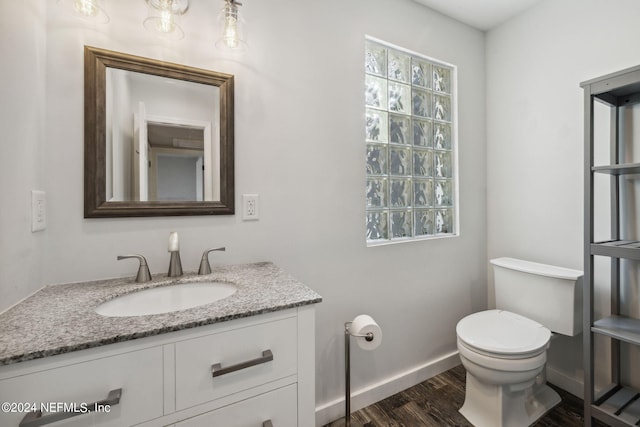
column 505, row 350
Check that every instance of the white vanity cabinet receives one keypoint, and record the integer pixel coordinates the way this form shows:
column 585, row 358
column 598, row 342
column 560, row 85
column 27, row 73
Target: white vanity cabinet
column 273, row 409
column 247, row 357
column 72, row 380
column 251, row 371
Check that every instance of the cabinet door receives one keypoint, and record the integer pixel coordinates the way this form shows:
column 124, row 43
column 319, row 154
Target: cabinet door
column 138, row 374
column 277, row 406
column 195, row 383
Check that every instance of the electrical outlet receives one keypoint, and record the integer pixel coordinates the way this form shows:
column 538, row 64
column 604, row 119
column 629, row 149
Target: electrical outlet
column 38, row 211
column 250, row 207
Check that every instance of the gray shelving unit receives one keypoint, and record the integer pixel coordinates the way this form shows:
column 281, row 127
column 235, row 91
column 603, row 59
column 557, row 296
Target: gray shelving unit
column 618, row 405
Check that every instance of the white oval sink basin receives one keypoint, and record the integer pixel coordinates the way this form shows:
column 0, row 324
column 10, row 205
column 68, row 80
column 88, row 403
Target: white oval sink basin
column 165, row 299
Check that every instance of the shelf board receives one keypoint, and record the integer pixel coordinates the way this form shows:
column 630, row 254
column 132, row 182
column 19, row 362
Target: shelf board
column 619, row 84
column 622, row 169
column 622, row 328
column 621, row 408
column 629, row 249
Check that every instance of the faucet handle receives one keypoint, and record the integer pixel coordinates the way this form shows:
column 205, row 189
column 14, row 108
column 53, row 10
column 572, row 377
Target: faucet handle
column 205, row 267
column 144, row 275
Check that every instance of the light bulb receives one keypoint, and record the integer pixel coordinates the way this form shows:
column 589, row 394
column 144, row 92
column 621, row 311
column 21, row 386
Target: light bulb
column 230, row 33
column 166, row 23
column 86, row 7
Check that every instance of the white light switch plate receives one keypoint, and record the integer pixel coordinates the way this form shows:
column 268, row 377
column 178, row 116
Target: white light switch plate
column 38, row 211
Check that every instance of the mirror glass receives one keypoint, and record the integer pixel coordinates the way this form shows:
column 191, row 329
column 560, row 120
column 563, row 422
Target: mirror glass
column 163, row 138
column 158, row 137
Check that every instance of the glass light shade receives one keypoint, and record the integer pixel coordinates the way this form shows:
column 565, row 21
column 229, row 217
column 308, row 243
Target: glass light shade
column 92, row 10
column 231, row 38
column 177, row 7
column 165, row 25
column 164, row 16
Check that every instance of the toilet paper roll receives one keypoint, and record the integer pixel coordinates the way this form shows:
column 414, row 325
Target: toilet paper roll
column 362, row 325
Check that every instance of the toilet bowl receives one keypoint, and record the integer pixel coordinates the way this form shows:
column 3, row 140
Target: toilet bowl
column 504, row 350
column 504, row 354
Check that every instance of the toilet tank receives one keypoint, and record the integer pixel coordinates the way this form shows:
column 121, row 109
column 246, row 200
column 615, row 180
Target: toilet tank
column 548, row 294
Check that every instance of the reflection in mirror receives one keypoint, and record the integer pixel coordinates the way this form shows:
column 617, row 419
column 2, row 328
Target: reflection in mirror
column 158, row 138
column 177, row 162
column 162, row 138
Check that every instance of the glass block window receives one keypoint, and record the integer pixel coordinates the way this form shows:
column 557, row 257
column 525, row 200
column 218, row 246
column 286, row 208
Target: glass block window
column 411, row 160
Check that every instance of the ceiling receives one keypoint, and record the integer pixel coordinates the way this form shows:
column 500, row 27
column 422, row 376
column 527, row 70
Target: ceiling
column 175, row 136
column 481, row 14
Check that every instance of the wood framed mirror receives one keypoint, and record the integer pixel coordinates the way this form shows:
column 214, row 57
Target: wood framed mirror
column 158, row 138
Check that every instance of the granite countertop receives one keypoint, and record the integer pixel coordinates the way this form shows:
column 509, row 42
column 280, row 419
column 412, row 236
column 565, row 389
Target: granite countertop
column 61, row 318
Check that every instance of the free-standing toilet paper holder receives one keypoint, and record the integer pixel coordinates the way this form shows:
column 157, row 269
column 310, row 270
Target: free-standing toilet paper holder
column 347, row 369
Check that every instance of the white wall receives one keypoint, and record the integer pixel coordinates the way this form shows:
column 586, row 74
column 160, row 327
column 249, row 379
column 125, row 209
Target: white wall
column 300, row 145
column 535, row 63
column 22, row 115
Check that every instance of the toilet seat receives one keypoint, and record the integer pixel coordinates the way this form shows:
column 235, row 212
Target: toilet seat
column 502, row 334
column 510, row 364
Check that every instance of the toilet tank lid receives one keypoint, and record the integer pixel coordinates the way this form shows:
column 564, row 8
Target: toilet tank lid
column 537, row 268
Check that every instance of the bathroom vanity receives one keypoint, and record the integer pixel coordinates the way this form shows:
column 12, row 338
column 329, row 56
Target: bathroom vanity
column 245, row 360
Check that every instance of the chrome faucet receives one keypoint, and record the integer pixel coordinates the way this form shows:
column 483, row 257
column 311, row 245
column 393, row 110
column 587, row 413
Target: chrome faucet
column 144, row 275
column 175, row 265
column 205, row 267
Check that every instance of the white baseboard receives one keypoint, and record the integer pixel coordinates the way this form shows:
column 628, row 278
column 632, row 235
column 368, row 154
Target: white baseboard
column 572, row 385
column 375, row 392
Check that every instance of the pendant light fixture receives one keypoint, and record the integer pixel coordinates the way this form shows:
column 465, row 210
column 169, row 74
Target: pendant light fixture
column 164, row 16
column 231, row 38
column 91, row 10
column 163, row 19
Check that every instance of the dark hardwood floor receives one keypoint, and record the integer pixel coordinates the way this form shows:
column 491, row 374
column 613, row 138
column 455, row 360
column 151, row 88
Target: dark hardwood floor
column 435, row 403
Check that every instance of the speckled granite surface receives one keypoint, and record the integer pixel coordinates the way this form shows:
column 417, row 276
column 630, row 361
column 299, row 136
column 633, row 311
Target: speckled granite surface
column 61, row 318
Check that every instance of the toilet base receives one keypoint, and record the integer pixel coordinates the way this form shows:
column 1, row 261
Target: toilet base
column 491, row 405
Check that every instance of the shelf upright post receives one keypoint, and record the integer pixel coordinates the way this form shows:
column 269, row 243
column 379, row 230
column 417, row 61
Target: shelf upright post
column 615, row 235
column 588, row 257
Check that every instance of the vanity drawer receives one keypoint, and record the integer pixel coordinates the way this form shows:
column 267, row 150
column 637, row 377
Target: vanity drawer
column 137, row 373
column 244, row 352
column 277, row 406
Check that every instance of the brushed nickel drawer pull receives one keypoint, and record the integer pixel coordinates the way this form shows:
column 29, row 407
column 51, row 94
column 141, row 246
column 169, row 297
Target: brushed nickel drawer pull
column 35, row 418
column 267, row 423
column 217, row 369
